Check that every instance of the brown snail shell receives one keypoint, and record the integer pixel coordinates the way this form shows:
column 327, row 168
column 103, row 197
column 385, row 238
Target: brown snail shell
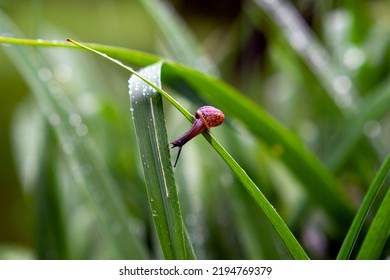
column 205, row 118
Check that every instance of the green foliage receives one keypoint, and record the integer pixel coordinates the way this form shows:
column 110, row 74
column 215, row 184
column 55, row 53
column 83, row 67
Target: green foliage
column 306, row 129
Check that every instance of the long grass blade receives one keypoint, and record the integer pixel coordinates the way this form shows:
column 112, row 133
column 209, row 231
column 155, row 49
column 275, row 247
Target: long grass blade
column 148, row 116
column 317, row 180
column 374, row 106
column 379, row 230
column 357, row 224
column 111, row 211
column 182, row 44
column 303, row 41
column 285, row 234
column 378, row 233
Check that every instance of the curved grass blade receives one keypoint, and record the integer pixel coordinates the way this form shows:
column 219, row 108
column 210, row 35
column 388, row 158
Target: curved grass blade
column 379, row 230
column 277, row 222
column 38, row 174
column 146, row 107
column 150, row 88
column 316, row 179
column 111, row 212
column 319, row 182
column 309, row 48
column 359, row 219
column 373, row 106
column 148, row 116
column 181, row 43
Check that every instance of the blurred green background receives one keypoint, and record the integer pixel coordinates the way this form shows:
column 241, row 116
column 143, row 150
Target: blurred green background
column 339, row 110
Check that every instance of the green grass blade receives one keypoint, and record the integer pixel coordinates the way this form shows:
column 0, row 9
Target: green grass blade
column 50, row 231
column 292, row 245
column 361, row 215
column 309, row 48
column 374, row 106
column 326, row 68
column 111, row 211
column 319, row 183
column 379, row 230
column 150, row 144
column 155, row 156
column 317, row 180
column 182, row 44
column 148, row 116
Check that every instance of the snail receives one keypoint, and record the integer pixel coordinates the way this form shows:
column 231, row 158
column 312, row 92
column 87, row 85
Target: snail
column 205, row 118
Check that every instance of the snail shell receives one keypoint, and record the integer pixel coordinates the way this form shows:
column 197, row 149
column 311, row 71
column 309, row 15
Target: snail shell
column 205, row 118
column 210, row 116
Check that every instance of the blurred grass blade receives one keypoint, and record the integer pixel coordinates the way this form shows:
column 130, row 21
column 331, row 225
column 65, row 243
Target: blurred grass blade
column 182, row 44
column 378, row 233
column 99, row 186
column 350, row 239
column 38, row 173
column 158, row 170
column 373, row 106
column 148, row 116
column 318, row 182
column 285, row 234
column 292, row 245
column 304, row 42
column 146, row 108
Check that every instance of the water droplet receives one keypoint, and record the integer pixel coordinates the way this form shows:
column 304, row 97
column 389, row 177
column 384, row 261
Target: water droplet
column 45, row 74
column 55, row 89
column 191, row 220
column 298, row 40
column 82, row 130
column 342, row 84
column 353, row 58
column 372, row 129
column 338, row 20
column 154, row 213
column 54, row 119
column 68, row 148
column 309, row 132
column 76, row 170
column 63, row 73
column 75, row 119
column 88, row 103
column 318, row 57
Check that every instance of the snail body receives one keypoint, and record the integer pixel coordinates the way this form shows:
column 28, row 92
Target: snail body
column 205, row 118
